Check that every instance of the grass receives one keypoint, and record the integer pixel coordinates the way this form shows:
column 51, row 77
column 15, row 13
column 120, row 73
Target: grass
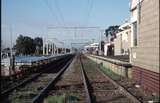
column 105, row 70
column 17, row 100
column 56, row 99
column 110, row 73
column 157, row 99
column 113, row 75
column 65, row 98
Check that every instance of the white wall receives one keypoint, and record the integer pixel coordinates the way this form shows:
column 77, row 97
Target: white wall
column 134, row 3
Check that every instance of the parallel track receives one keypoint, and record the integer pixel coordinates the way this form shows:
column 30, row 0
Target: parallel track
column 104, row 89
column 71, row 85
column 25, row 91
column 101, row 88
column 45, row 90
column 109, row 89
column 95, row 86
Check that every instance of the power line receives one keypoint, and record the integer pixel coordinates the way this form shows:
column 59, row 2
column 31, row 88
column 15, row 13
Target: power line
column 51, row 10
column 90, row 7
column 59, row 11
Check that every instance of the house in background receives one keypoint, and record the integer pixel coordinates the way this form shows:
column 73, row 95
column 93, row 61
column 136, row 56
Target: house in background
column 92, row 48
column 122, row 42
column 144, row 54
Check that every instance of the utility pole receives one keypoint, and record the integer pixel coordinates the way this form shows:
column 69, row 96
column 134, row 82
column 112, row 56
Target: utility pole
column 100, row 44
column 47, row 48
column 54, row 49
column 100, row 39
column 44, row 46
column 11, row 42
column 52, row 46
column 101, row 32
column 12, row 58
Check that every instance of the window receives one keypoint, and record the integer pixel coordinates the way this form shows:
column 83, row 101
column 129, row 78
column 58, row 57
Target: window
column 135, row 33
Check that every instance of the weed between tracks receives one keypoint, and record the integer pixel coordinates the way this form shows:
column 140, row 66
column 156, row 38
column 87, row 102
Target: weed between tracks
column 105, row 70
column 102, row 90
column 69, row 89
column 65, row 98
column 129, row 84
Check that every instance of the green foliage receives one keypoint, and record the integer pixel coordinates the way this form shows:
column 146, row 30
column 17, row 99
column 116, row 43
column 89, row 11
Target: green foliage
column 56, row 99
column 72, row 98
column 106, row 71
column 26, row 45
column 38, row 42
column 17, row 100
column 110, row 73
column 112, row 30
column 65, row 98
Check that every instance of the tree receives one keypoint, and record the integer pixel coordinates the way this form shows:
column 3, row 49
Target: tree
column 38, row 41
column 110, row 34
column 38, row 44
column 111, row 31
column 25, row 45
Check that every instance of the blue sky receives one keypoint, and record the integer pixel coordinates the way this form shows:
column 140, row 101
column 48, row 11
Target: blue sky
column 32, row 17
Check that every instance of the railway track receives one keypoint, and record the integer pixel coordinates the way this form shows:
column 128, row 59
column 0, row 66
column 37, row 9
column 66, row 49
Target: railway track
column 103, row 89
column 83, row 83
column 24, row 75
column 29, row 89
column 70, row 88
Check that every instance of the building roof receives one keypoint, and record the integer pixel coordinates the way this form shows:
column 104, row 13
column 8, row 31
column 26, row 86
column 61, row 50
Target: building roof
column 93, row 45
column 125, row 26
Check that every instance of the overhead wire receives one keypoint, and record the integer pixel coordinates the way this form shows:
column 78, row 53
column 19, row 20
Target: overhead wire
column 88, row 15
column 90, row 7
column 89, row 10
column 51, row 11
column 56, row 4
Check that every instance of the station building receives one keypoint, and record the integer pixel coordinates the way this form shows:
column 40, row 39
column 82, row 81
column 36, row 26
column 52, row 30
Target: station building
column 145, row 34
column 122, row 42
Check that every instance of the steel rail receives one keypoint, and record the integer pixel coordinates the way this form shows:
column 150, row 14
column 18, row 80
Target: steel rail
column 122, row 89
column 86, row 83
column 28, row 80
column 6, row 92
column 39, row 98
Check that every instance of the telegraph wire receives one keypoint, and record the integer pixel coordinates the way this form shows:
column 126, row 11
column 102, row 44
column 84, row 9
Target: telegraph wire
column 59, row 11
column 90, row 7
column 51, row 11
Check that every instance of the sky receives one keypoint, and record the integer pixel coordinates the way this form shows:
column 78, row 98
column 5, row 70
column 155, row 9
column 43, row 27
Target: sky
column 33, row 17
